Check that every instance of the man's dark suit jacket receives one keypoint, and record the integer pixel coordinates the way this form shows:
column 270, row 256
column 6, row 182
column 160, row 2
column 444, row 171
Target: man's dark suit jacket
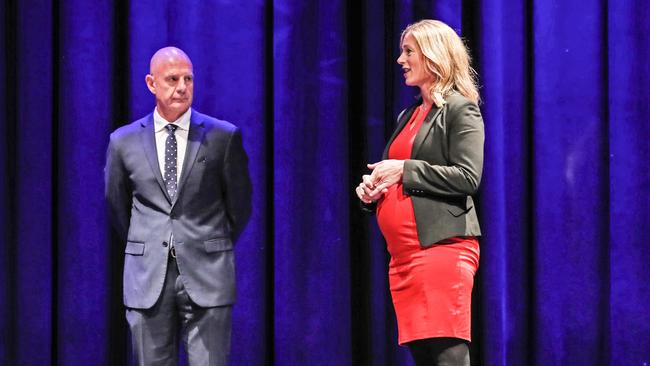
column 209, row 212
column 444, row 170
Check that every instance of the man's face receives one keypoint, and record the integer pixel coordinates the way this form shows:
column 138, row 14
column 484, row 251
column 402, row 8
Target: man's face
column 172, row 82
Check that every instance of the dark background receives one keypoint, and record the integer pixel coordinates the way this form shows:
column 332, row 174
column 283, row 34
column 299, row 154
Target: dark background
column 315, row 88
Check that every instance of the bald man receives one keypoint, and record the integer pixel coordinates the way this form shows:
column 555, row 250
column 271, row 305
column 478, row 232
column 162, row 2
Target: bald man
column 179, row 194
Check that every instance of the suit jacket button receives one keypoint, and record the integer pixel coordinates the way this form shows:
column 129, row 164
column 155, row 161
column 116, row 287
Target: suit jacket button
column 164, row 243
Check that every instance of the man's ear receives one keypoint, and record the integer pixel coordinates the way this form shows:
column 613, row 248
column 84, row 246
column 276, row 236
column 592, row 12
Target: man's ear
column 150, row 83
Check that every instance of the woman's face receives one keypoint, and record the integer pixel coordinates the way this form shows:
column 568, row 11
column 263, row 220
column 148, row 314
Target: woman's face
column 412, row 62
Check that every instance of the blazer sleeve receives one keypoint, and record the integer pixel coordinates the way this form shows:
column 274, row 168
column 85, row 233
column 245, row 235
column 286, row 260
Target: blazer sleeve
column 370, row 208
column 117, row 191
column 462, row 174
column 237, row 188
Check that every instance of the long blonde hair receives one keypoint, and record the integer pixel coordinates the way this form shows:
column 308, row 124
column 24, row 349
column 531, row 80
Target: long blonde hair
column 446, row 58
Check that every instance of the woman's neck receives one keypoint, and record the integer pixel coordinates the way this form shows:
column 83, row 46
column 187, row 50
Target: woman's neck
column 425, row 92
column 427, row 101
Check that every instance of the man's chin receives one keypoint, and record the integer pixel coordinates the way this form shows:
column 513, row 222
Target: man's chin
column 179, row 107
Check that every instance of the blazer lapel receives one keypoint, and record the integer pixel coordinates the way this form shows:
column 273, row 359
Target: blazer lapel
column 401, row 122
column 148, row 139
column 424, row 130
column 194, row 139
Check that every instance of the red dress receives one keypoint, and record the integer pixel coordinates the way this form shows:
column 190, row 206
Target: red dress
column 431, row 287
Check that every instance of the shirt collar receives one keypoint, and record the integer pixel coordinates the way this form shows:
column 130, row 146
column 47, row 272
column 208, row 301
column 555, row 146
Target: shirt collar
column 183, row 122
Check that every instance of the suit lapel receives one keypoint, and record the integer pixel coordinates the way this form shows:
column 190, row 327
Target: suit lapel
column 424, row 130
column 194, row 139
column 148, row 139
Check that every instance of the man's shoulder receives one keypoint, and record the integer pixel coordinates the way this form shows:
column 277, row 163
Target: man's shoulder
column 131, row 129
column 212, row 123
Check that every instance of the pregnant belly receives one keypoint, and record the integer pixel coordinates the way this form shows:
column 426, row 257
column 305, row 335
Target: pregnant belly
column 396, row 221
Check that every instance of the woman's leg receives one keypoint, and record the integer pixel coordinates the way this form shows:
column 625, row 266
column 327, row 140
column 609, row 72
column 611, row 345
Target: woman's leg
column 440, row 352
column 421, row 352
column 453, row 352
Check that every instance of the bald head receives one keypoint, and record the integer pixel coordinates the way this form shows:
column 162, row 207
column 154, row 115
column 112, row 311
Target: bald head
column 171, row 80
column 167, row 56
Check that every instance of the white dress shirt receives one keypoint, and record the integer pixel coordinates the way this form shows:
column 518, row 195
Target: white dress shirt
column 183, row 123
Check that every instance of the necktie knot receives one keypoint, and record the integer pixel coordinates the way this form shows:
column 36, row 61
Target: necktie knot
column 171, row 128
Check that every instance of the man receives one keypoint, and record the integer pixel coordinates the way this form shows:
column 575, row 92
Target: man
column 179, row 193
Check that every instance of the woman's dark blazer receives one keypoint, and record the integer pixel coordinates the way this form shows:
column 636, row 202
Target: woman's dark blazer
column 444, row 170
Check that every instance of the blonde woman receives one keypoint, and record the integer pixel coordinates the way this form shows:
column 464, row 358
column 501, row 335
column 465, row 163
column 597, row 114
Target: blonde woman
column 422, row 193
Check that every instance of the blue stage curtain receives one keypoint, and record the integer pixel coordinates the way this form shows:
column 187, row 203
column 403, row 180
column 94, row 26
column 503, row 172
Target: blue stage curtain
column 311, row 274
column 570, row 187
column 83, row 77
column 628, row 107
column 33, row 271
column 315, row 88
column 6, row 281
column 506, row 193
column 564, row 101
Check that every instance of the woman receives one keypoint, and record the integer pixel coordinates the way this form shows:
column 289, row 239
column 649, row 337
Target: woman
column 422, row 195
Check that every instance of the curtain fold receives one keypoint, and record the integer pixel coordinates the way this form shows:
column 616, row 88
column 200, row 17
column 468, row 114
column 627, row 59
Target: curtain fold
column 505, row 68
column 34, row 186
column 627, row 108
column 83, row 112
column 311, row 253
column 315, row 89
column 570, row 235
column 6, row 282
